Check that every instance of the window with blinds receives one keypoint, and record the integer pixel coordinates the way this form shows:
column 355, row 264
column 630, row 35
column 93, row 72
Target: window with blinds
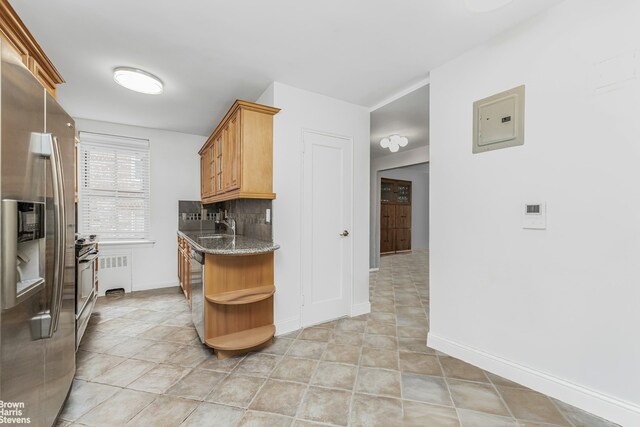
column 113, row 187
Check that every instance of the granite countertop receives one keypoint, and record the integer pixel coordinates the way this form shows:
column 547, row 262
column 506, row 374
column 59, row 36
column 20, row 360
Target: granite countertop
column 226, row 245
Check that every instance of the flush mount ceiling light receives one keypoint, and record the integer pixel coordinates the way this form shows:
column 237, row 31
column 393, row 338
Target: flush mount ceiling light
column 481, row 6
column 394, row 142
column 138, row 80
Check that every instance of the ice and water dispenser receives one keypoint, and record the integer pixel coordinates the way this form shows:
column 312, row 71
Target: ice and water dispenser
column 23, row 250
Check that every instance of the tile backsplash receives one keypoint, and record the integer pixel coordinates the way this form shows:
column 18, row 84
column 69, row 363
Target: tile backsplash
column 190, row 216
column 250, row 216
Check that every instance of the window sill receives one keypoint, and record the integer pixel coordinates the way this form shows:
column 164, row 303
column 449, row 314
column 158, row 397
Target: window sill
column 135, row 243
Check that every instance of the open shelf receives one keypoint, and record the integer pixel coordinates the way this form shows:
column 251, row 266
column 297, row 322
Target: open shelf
column 242, row 296
column 243, row 340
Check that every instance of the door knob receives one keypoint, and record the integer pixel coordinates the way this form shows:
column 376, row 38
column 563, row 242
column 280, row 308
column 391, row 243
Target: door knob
column 345, row 233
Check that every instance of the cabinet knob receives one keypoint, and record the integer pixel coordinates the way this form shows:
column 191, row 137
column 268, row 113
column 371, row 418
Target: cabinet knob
column 345, row 233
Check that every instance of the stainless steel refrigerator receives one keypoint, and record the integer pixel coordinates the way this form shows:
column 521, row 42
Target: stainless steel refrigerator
column 37, row 218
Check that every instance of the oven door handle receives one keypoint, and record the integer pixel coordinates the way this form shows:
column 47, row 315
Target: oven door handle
column 88, row 299
column 89, row 258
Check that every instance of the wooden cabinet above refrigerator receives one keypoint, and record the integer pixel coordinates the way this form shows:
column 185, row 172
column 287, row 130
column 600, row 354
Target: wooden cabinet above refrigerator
column 14, row 32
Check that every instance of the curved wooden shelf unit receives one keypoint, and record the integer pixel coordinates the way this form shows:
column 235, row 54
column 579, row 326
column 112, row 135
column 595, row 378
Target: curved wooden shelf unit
column 242, row 296
column 243, row 340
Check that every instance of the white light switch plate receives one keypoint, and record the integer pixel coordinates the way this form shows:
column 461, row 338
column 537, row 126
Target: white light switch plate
column 268, row 216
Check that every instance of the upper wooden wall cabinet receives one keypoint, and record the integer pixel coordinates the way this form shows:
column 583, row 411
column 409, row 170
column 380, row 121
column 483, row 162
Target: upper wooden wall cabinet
column 33, row 57
column 236, row 162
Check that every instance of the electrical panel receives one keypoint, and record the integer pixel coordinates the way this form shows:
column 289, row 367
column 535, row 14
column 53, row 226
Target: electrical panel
column 498, row 121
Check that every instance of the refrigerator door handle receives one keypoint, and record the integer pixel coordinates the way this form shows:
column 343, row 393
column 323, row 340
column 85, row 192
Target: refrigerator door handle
column 50, row 319
column 62, row 232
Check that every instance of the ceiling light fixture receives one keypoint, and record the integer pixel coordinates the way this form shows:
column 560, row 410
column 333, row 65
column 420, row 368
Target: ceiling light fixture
column 482, row 6
column 394, row 142
column 138, row 80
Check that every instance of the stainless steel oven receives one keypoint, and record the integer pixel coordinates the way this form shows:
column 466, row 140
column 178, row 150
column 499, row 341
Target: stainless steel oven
column 86, row 277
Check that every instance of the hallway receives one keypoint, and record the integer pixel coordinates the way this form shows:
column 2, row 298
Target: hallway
column 141, row 364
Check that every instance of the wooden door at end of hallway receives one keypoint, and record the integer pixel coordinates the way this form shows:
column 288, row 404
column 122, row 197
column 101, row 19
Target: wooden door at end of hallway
column 395, row 216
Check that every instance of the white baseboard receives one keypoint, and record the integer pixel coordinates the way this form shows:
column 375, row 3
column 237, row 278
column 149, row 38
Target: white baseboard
column 373, row 270
column 602, row 405
column 361, row 308
column 149, row 286
column 287, row 325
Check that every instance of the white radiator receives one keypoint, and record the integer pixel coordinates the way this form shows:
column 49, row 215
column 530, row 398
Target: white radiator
column 114, row 271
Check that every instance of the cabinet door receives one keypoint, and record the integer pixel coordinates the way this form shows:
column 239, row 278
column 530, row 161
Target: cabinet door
column 181, row 267
column 387, row 240
column 403, row 193
column 227, row 159
column 387, row 216
column 203, row 175
column 219, row 166
column 207, row 172
column 387, row 191
column 211, row 170
column 403, row 239
column 187, row 279
column 403, row 216
column 179, row 260
column 233, row 153
column 43, row 77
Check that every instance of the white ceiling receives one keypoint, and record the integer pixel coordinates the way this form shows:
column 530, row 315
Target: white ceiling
column 406, row 116
column 208, row 53
column 420, row 167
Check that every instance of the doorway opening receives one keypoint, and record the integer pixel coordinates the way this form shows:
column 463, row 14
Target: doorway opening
column 400, row 152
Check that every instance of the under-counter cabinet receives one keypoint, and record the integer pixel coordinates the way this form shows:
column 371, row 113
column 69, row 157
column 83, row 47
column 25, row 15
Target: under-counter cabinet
column 230, row 290
column 236, row 162
column 238, row 312
column 184, row 267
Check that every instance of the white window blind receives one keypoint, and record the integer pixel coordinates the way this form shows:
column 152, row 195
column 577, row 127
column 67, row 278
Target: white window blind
column 113, row 187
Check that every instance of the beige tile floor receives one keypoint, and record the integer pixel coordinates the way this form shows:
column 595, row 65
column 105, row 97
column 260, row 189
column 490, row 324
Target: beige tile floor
column 141, row 364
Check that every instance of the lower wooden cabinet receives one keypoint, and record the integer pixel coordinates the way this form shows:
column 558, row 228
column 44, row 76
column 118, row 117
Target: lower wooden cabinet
column 238, row 312
column 387, row 241
column 238, row 295
column 395, row 240
column 184, row 268
column 403, row 239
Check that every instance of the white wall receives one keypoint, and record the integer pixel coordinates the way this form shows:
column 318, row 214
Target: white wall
column 419, row 177
column 392, row 161
column 557, row 310
column 306, row 110
column 175, row 175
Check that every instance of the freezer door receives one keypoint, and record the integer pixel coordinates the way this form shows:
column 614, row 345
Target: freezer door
column 23, row 178
column 60, row 348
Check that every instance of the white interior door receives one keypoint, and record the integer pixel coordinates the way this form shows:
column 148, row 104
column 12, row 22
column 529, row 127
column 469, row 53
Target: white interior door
column 326, row 224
